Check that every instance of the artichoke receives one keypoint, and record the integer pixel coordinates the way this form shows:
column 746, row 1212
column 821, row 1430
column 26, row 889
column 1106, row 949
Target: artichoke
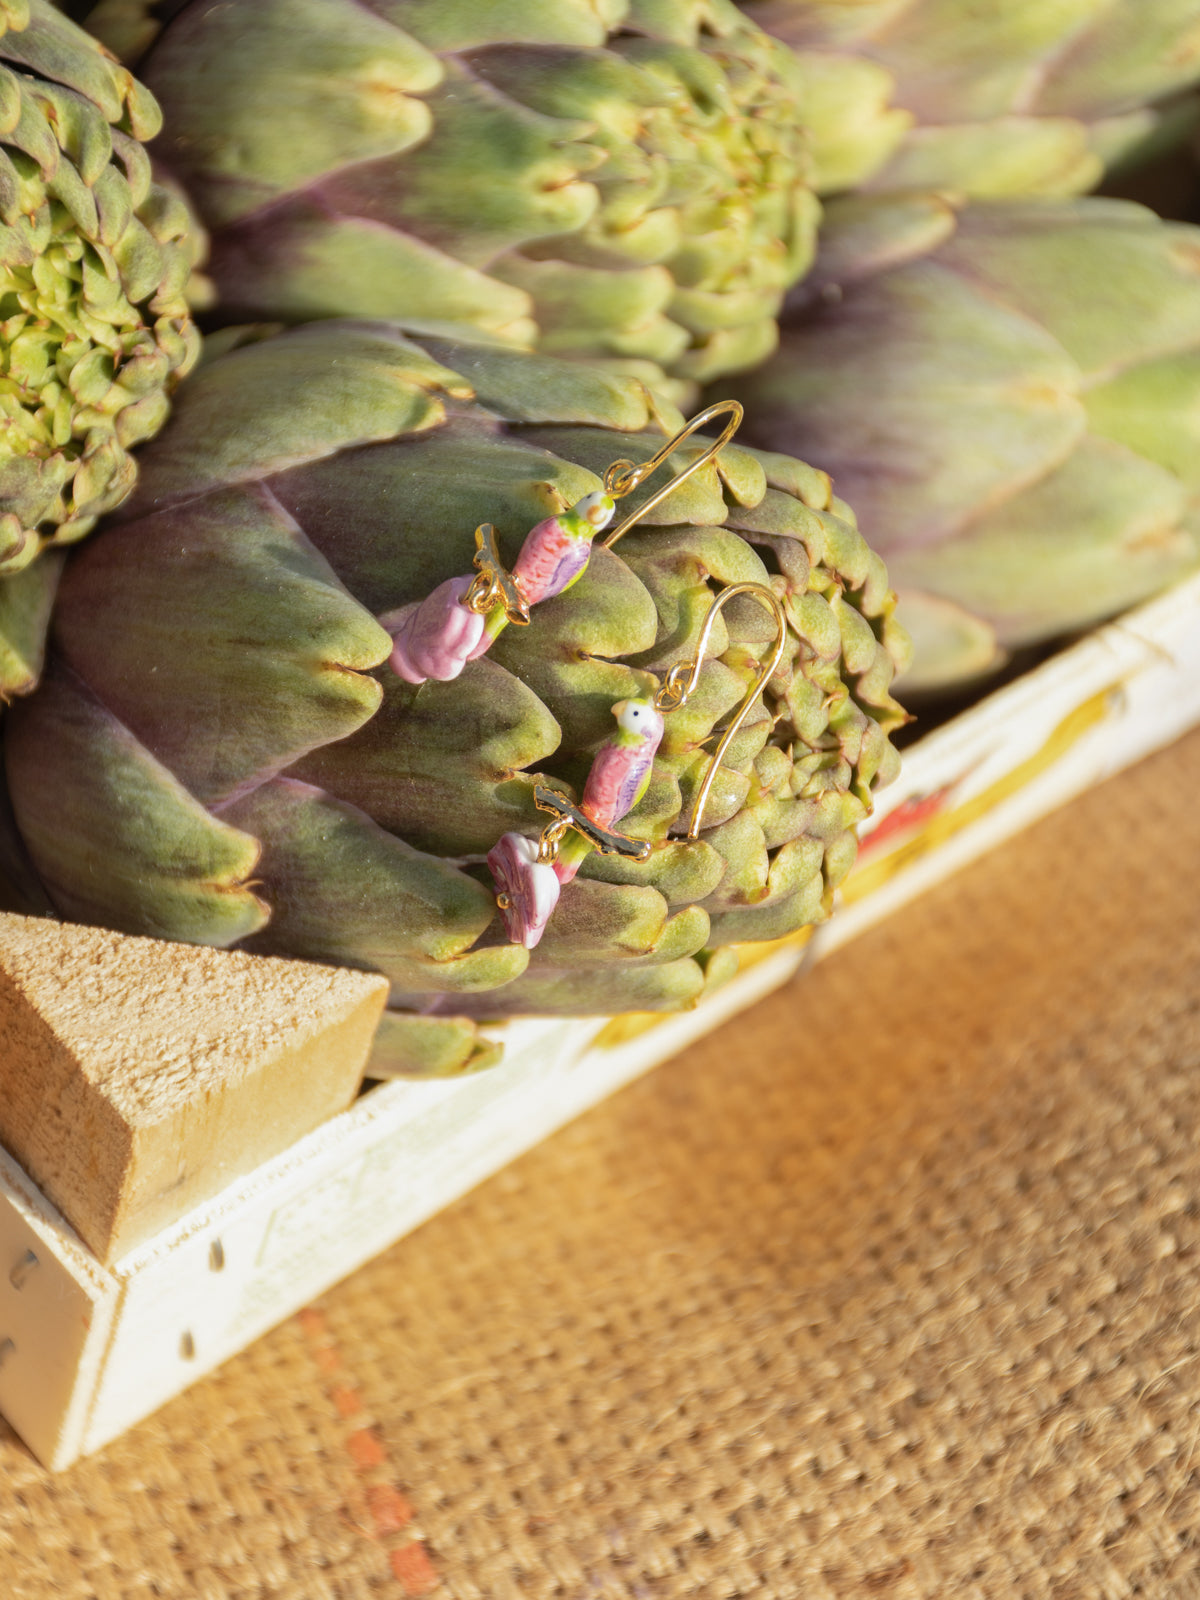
column 94, row 325
column 618, row 180
column 988, row 98
column 1010, row 395
column 218, row 754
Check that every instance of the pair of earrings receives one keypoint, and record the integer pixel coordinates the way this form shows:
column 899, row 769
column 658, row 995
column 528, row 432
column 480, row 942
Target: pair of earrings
column 436, row 637
column 529, row 874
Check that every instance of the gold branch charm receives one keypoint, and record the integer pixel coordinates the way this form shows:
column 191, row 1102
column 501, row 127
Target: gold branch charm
column 493, row 584
column 569, row 816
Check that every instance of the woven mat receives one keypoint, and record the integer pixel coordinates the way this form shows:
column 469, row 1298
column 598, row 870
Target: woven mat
column 891, row 1288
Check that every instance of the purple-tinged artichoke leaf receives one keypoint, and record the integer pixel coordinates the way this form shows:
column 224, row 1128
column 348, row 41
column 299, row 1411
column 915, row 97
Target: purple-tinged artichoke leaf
column 597, row 313
column 444, row 765
column 394, row 533
column 869, row 234
column 221, row 638
column 840, row 856
column 662, row 555
column 1018, row 156
column 853, row 128
column 313, row 85
column 115, row 838
column 85, row 137
column 65, row 55
column 834, row 812
column 1154, row 409
column 603, row 87
column 1071, row 269
column 809, row 485
column 726, row 799
column 773, row 919
column 925, row 48
column 520, row 176
column 741, row 472
column 343, row 890
column 528, row 388
column 300, row 397
column 694, row 731
column 788, row 528
column 721, row 966
column 1131, row 139
column 696, row 502
column 950, row 645
column 859, row 644
column 735, row 350
column 1138, row 51
column 573, row 655
column 683, row 873
column 781, row 817
column 25, row 602
column 126, row 27
column 297, row 261
column 933, row 441
column 409, row 1046
column 1104, row 531
column 602, row 924
column 21, row 890
column 739, row 842
column 589, row 992
column 538, row 22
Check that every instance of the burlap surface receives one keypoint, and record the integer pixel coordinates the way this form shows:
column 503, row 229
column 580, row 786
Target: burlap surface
column 889, row 1288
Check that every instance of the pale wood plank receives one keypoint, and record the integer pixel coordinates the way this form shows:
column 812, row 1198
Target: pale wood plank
column 138, row 1077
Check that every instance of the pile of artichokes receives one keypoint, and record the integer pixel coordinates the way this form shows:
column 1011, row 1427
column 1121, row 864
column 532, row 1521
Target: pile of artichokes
column 463, row 258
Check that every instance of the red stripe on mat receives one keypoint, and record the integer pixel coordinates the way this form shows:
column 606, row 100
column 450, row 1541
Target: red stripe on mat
column 389, row 1511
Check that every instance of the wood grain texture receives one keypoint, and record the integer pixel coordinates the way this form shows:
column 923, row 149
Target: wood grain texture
column 138, row 1078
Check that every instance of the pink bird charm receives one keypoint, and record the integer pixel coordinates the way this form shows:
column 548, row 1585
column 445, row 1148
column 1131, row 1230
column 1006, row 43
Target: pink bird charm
column 619, row 777
column 528, row 876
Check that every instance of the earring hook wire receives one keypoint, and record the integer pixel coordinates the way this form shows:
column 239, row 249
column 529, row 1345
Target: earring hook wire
column 675, row 691
column 623, row 477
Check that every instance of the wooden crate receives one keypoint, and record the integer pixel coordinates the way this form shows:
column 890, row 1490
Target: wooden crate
column 90, row 1346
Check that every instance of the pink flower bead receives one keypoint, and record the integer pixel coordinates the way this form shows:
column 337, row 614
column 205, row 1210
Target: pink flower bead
column 527, row 889
column 437, row 636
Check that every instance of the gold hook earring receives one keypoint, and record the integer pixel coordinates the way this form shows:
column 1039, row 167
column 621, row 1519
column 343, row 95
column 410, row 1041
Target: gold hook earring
column 493, row 586
column 675, row 691
column 461, row 619
column 623, row 477
column 609, row 792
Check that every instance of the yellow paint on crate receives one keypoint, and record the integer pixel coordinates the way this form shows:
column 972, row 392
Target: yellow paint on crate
column 632, row 1025
column 872, row 875
column 625, row 1028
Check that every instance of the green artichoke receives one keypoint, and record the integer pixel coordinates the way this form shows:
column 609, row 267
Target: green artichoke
column 610, row 179
column 94, row 324
column 1010, row 396
column 216, row 753
column 988, row 98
